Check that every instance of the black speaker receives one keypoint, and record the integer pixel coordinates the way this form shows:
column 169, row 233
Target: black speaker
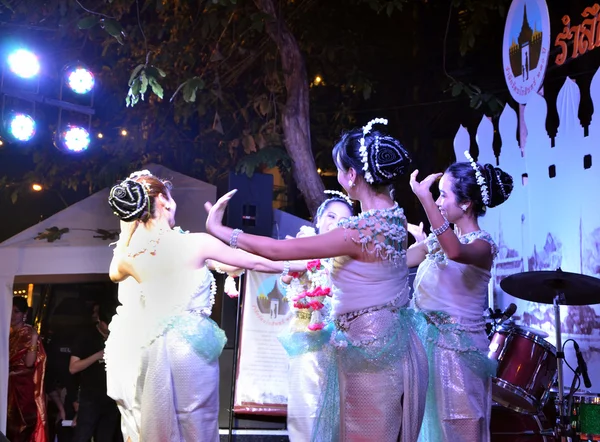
column 251, row 208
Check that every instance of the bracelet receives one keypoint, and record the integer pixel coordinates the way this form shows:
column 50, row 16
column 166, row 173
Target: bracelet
column 234, row 238
column 286, row 268
column 441, row 229
column 33, row 347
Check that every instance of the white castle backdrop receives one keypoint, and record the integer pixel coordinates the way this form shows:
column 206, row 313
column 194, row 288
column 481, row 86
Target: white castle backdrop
column 552, row 218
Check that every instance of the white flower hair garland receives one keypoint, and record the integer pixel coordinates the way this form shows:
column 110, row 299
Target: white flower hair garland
column 364, row 155
column 485, row 195
column 338, row 194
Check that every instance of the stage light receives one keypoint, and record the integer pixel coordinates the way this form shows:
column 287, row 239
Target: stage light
column 73, row 139
column 36, row 187
column 79, row 79
column 123, row 133
column 100, row 135
column 24, row 63
column 21, row 127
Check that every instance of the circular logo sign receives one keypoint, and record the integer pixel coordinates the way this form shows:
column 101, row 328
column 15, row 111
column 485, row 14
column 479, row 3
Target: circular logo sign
column 526, row 47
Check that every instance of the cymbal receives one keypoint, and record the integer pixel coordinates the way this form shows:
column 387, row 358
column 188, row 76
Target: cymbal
column 543, row 286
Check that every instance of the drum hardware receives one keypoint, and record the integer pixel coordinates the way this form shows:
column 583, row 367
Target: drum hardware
column 498, row 317
column 556, row 288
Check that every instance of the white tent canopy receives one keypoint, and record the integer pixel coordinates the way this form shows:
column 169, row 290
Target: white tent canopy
column 78, row 252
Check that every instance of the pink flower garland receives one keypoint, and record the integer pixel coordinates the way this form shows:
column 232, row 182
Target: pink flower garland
column 312, row 299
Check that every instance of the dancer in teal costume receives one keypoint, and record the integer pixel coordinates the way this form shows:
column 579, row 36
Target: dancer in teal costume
column 376, row 384
column 451, row 289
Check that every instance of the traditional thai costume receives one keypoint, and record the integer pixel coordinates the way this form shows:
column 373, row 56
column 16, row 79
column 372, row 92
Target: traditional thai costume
column 452, row 298
column 177, row 387
column 306, row 342
column 26, row 419
column 380, row 363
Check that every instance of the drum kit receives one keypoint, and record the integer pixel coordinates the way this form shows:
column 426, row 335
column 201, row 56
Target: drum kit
column 531, row 402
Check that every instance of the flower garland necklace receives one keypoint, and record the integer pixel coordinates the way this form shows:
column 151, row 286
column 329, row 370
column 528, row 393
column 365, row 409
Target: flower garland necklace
column 311, row 300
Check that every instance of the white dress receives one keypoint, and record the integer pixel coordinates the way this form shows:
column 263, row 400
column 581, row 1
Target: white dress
column 452, row 297
column 308, row 353
column 172, row 347
column 380, row 363
column 122, row 355
column 178, row 386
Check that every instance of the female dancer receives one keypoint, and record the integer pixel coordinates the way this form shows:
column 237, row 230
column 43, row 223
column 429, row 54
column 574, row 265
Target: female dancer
column 177, row 395
column 451, row 290
column 382, row 366
column 26, row 420
column 306, row 338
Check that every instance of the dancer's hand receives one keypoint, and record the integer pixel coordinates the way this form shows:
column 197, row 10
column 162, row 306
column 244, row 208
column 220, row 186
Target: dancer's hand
column 216, row 212
column 416, row 231
column 422, row 189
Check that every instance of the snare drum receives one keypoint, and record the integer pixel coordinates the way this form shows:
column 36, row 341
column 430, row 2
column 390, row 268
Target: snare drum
column 509, row 426
column 526, row 368
column 585, row 417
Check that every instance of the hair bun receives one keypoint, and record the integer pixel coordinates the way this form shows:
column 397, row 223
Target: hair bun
column 128, row 200
column 387, row 158
column 500, row 184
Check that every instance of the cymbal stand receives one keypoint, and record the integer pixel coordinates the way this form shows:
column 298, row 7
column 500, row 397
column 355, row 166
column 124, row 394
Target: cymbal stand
column 560, row 356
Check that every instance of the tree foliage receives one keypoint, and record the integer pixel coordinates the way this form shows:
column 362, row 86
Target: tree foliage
column 202, row 86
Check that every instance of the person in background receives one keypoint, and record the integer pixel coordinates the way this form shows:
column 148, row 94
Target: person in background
column 306, row 338
column 451, row 288
column 97, row 414
column 26, row 414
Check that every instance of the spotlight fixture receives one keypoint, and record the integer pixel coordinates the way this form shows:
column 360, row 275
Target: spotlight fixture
column 24, row 64
column 79, row 79
column 20, row 126
column 72, row 139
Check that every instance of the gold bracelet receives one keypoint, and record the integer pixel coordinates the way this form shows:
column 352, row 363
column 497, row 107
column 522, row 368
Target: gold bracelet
column 33, row 347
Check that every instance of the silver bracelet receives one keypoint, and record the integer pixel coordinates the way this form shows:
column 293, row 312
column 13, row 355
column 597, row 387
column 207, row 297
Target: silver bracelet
column 234, row 238
column 286, row 268
column 441, row 229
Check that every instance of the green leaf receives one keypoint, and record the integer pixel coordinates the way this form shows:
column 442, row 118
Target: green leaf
column 457, row 88
column 156, row 88
column 114, row 29
column 144, row 84
column 135, row 73
column 390, row 9
column 190, row 88
column 88, row 22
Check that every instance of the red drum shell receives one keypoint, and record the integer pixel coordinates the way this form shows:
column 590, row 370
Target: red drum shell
column 526, row 368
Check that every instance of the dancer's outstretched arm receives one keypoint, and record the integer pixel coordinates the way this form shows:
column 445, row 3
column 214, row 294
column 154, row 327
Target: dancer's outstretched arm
column 338, row 242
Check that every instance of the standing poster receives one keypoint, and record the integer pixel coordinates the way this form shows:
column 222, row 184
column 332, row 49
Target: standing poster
column 261, row 381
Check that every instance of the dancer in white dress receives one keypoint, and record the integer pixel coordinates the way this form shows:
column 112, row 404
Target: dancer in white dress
column 307, row 337
column 381, row 363
column 451, row 289
column 177, row 345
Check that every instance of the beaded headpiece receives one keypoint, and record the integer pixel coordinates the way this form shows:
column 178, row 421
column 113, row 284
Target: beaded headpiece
column 364, row 155
column 340, row 195
column 485, row 195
